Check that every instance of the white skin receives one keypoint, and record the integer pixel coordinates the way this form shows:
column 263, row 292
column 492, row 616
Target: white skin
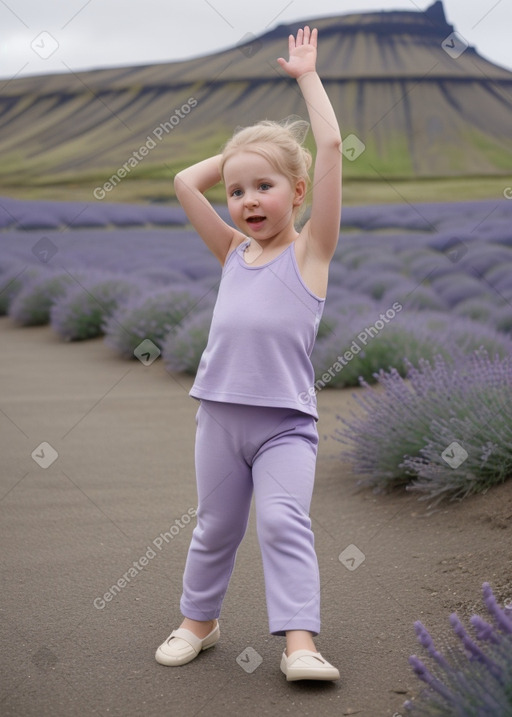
column 255, row 189
column 262, row 202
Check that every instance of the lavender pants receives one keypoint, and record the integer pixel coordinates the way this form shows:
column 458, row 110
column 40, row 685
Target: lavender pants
column 272, row 452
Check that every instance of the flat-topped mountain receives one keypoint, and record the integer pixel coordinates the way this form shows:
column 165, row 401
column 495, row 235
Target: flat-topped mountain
column 420, row 101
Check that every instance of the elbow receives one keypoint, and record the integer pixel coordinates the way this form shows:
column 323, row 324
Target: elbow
column 333, row 143
column 178, row 179
column 178, row 183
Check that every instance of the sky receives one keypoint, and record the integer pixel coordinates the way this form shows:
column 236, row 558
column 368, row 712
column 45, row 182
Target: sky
column 61, row 35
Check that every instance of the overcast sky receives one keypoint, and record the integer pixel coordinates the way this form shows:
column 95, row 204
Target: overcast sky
column 44, row 37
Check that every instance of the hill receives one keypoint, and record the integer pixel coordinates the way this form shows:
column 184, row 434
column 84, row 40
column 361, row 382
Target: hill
column 423, row 104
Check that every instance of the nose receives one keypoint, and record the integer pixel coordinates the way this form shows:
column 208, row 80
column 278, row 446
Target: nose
column 250, row 199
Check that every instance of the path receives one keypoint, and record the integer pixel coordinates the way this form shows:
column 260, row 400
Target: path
column 120, row 490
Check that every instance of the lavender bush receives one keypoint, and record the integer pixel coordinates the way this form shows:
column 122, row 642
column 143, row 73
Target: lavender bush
column 415, row 298
column 377, row 284
column 31, row 305
column 478, row 309
column 367, row 354
column 385, row 262
column 397, row 253
column 503, row 318
column 355, row 279
column 12, row 280
column 481, row 257
column 79, row 313
column 446, row 431
column 181, row 350
column 467, row 336
column 152, row 316
column 337, row 274
column 454, row 288
column 404, row 340
column 350, row 304
column 475, row 678
column 428, row 265
column 477, row 430
column 353, row 256
column 46, row 214
column 500, row 276
column 328, row 324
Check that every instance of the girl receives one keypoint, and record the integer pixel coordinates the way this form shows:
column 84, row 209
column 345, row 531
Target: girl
column 256, row 422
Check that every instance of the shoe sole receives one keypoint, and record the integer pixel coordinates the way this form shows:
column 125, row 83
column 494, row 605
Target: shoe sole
column 305, row 674
column 310, row 676
column 163, row 659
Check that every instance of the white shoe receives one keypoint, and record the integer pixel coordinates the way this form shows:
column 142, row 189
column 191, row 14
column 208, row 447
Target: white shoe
column 182, row 646
column 307, row 665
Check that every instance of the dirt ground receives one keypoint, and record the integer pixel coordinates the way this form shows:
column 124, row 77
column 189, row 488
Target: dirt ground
column 122, row 436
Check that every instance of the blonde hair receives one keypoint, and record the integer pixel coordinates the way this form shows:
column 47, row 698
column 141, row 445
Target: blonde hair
column 279, row 143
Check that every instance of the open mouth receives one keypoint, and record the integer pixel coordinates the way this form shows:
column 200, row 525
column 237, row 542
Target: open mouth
column 255, row 220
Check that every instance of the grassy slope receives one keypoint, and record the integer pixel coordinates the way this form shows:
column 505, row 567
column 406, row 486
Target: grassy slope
column 428, row 122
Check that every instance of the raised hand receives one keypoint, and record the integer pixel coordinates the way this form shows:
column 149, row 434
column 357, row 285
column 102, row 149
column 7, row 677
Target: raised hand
column 302, row 51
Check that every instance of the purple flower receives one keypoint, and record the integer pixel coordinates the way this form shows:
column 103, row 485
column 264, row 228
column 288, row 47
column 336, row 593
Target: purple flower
column 82, row 310
column 503, row 620
column 12, row 281
column 182, row 349
column 427, row 677
column 454, row 288
column 446, row 431
column 31, row 306
column 152, row 316
column 473, row 681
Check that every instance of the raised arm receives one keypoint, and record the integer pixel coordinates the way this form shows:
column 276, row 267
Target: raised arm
column 323, row 227
column 190, row 185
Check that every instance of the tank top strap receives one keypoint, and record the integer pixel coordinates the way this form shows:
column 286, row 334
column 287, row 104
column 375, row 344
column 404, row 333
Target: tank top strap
column 237, row 250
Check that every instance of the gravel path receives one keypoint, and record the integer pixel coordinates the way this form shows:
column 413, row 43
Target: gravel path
column 115, row 502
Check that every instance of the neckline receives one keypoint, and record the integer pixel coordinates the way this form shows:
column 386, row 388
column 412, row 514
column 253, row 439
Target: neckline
column 239, row 252
column 242, row 247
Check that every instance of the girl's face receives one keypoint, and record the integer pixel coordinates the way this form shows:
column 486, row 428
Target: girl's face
column 260, row 199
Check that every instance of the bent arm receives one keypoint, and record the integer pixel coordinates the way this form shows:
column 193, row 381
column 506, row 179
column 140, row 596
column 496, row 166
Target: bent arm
column 190, row 185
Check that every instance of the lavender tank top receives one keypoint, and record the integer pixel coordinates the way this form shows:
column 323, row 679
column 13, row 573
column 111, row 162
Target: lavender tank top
column 262, row 333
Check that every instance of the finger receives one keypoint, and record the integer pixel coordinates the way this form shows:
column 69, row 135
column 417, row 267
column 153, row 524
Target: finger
column 291, row 43
column 300, row 37
column 314, row 37
column 306, row 35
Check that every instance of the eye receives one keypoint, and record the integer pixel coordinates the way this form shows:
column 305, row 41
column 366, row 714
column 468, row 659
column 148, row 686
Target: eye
column 265, row 186
column 236, row 193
